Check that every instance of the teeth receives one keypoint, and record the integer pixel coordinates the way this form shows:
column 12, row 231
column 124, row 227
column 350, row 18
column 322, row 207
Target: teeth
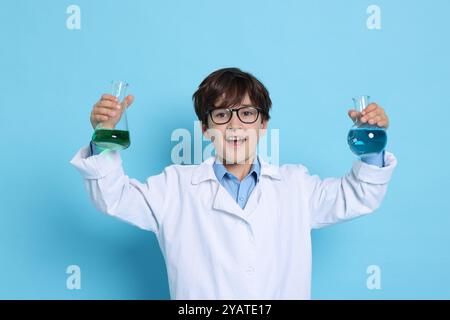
column 235, row 139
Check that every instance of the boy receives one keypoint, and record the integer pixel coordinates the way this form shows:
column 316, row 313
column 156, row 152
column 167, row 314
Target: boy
column 234, row 226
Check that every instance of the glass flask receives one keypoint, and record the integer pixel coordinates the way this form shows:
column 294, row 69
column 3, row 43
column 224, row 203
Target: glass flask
column 365, row 139
column 113, row 134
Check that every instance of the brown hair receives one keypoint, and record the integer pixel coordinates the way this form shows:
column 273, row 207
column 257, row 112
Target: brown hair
column 232, row 84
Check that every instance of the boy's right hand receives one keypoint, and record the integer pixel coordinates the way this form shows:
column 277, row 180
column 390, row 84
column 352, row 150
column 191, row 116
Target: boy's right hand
column 108, row 110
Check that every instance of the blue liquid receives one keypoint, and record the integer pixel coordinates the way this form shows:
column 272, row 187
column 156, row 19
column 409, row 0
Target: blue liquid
column 363, row 141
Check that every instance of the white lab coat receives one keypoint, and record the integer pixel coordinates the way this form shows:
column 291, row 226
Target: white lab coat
column 213, row 249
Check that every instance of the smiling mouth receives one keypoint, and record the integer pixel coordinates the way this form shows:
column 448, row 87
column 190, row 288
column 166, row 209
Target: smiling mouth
column 236, row 141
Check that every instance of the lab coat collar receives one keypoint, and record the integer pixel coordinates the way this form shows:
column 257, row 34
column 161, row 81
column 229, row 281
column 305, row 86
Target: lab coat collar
column 205, row 171
column 220, row 171
column 223, row 200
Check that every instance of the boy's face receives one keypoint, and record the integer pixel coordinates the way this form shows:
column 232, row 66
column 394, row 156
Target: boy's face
column 235, row 142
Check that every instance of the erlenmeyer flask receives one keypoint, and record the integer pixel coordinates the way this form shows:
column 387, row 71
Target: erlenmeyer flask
column 113, row 134
column 363, row 138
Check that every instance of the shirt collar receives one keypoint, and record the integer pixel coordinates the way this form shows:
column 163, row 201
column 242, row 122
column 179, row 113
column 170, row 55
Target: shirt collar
column 204, row 171
column 220, row 170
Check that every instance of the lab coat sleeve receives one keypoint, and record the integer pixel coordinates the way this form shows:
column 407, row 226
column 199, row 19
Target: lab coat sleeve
column 360, row 192
column 114, row 193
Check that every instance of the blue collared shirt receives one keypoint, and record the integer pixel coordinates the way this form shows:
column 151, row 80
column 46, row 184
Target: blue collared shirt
column 239, row 190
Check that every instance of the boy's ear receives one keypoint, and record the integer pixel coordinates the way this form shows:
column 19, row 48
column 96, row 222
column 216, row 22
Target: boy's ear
column 264, row 124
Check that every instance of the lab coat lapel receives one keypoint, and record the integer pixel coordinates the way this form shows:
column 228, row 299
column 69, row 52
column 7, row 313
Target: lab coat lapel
column 223, row 201
column 253, row 201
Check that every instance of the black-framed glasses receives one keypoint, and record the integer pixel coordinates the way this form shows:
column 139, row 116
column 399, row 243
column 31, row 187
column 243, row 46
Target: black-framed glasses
column 247, row 114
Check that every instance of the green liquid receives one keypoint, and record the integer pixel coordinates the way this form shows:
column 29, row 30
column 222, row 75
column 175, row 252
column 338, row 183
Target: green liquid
column 111, row 139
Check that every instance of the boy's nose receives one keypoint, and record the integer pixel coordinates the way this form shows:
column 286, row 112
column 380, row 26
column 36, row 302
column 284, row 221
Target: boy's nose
column 235, row 122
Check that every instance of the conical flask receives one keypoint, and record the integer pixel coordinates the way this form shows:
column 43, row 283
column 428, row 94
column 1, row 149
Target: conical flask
column 365, row 139
column 114, row 134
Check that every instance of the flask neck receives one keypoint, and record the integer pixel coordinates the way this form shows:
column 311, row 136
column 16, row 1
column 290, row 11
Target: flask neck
column 119, row 89
column 361, row 102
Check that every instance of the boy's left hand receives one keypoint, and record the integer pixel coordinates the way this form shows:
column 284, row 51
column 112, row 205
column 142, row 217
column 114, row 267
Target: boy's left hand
column 372, row 114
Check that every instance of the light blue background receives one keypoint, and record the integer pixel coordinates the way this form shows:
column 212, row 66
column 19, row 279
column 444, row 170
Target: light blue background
column 312, row 55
